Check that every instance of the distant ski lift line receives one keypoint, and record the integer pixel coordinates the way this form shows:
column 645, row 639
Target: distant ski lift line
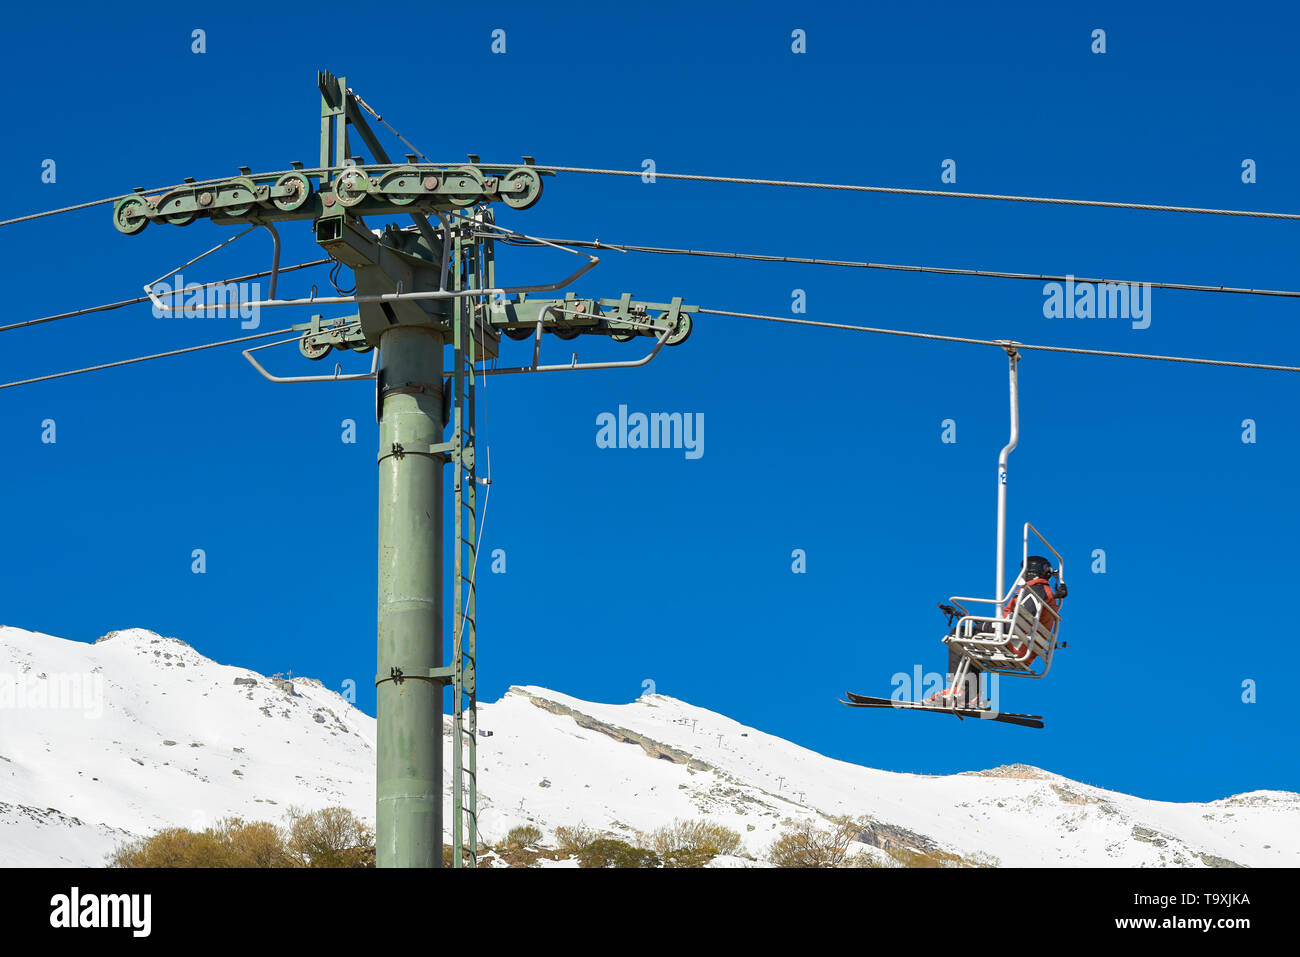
column 1000, row 343
column 741, row 180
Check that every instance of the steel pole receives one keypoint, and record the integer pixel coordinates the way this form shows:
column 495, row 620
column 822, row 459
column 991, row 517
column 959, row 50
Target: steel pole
column 1013, row 358
column 408, row 814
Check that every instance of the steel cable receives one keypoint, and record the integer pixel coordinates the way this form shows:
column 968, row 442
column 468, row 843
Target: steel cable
column 1002, row 343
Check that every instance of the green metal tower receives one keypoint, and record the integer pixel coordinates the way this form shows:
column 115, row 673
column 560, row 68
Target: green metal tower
column 418, row 290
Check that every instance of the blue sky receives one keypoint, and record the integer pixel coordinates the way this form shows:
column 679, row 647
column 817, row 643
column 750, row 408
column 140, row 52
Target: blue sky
column 624, row 566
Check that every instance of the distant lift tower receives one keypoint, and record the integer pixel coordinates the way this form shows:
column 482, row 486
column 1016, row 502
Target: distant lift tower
column 417, row 290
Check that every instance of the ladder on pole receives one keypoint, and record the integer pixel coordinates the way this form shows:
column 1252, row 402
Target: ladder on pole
column 467, row 263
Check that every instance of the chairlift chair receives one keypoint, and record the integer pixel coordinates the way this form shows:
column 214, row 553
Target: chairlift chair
column 1020, row 642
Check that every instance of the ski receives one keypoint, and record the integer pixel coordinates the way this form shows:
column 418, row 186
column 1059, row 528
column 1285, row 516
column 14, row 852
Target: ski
column 867, row 701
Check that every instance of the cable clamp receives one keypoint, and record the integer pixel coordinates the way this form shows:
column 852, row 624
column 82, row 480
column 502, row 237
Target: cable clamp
column 438, row 676
column 398, row 451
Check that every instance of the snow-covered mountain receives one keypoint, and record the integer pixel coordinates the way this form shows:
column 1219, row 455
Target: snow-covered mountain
column 100, row 743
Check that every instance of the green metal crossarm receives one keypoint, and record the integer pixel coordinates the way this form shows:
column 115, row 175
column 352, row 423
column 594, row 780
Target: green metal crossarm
column 621, row 319
column 342, row 181
column 379, row 189
column 319, row 337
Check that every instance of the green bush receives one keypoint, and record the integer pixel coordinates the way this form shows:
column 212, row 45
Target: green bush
column 231, row 842
column 331, row 837
column 807, row 845
column 523, row 836
column 692, row 843
column 909, row 857
column 575, row 838
column 609, row 852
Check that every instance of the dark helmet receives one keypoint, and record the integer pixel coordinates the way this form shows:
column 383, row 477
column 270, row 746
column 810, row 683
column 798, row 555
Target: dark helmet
column 1036, row 566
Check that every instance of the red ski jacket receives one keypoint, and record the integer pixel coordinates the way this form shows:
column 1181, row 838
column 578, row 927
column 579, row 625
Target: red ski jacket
column 1045, row 616
column 1046, row 594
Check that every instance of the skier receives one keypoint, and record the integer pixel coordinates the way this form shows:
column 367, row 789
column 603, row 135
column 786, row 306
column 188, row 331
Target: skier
column 1037, row 574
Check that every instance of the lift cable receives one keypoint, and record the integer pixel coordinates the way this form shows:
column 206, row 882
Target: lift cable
column 941, row 270
column 695, row 177
column 904, row 191
column 157, row 355
column 1002, row 343
column 133, row 302
column 934, row 337
column 203, row 182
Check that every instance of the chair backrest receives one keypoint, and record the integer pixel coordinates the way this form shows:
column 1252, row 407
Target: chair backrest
column 1027, row 623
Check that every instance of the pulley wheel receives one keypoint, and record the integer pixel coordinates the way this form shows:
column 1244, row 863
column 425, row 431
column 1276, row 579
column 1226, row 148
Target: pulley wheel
column 242, row 193
column 352, row 186
column 293, row 200
column 406, row 182
column 681, row 332
column 462, row 187
column 311, row 348
column 521, row 188
column 130, row 215
column 173, row 200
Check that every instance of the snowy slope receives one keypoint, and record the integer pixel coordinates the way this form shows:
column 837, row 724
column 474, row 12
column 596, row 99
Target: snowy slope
column 158, row 735
column 164, row 736
column 753, row 782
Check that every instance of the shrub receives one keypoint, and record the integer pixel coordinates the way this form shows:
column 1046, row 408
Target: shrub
column 909, row 857
column 231, row 842
column 330, row 837
column 609, row 852
column 576, row 838
column 692, row 843
column 807, row 845
column 523, row 836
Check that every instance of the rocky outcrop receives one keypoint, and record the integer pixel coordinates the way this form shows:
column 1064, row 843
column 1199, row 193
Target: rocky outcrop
column 652, row 748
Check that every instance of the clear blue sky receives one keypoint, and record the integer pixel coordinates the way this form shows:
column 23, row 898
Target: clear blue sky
column 628, row 565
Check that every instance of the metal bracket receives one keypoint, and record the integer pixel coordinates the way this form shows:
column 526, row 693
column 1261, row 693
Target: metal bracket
column 338, row 375
column 275, row 272
column 441, row 676
column 576, row 366
column 398, row 451
column 432, row 389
